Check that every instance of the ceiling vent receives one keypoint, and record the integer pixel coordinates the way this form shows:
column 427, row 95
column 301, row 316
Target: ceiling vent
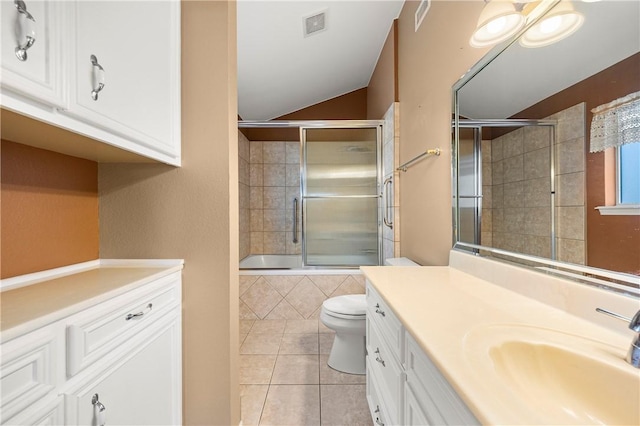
column 421, row 12
column 315, row 23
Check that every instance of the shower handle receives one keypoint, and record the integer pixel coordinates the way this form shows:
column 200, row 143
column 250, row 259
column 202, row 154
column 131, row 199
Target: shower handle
column 387, row 207
column 295, row 220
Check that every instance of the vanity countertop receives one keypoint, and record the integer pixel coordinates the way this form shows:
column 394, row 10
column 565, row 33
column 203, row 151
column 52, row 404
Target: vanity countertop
column 52, row 297
column 455, row 317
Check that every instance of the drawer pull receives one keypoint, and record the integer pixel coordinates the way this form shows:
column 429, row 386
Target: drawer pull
column 379, row 358
column 100, row 417
column 377, row 417
column 139, row 314
column 378, row 311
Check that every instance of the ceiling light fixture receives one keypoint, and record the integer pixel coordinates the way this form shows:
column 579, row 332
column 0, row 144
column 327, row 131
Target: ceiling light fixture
column 498, row 21
column 559, row 23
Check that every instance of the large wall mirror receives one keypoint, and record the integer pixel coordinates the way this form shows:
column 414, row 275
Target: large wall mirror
column 527, row 187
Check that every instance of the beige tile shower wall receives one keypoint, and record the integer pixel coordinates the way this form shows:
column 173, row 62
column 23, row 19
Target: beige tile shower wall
column 570, row 184
column 292, row 296
column 244, row 191
column 274, row 182
column 516, row 212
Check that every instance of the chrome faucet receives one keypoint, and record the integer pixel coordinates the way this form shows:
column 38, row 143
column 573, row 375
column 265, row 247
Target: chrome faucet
column 633, row 356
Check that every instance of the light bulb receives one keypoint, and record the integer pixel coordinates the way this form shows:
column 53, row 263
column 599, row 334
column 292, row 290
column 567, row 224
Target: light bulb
column 497, row 25
column 550, row 25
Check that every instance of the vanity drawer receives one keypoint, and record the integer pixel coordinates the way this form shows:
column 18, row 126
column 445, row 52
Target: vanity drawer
column 387, row 371
column 438, row 401
column 95, row 332
column 387, row 323
column 376, row 406
column 28, row 370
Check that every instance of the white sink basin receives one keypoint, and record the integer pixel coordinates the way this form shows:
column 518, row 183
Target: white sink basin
column 563, row 378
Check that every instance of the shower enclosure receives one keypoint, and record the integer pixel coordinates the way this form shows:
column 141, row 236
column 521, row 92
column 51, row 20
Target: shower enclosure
column 505, row 186
column 335, row 219
column 340, row 196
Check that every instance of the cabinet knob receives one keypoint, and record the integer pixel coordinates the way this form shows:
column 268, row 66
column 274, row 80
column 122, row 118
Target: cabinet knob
column 98, row 77
column 378, row 310
column 26, row 30
column 101, row 414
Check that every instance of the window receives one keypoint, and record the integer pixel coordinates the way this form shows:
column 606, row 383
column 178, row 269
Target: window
column 615, row 129
column 628, row 176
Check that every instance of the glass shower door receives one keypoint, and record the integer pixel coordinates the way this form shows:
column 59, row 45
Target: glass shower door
column 340, row 196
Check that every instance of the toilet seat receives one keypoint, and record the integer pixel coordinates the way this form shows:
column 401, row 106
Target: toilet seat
column 350, row 306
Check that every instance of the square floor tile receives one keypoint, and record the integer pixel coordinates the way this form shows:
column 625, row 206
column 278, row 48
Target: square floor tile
column 252, row 399
column 299, row 344
column 329, row 376
column 274, row 326
column 256, row 369
column 245, row 325
column 325, row 343
column 260, row 343
column 292, row 405
column 296, row 370
column 344, row 405
column 301, row 326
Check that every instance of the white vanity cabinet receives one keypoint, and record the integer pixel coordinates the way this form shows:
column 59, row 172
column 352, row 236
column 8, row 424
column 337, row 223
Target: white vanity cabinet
column 385, row 376
column 403, row 385
column 31, row 35
column 107, row 70
column 430, row 397
column 107, row 358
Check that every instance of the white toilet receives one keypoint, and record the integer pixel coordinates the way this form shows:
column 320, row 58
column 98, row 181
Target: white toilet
column 347, row 316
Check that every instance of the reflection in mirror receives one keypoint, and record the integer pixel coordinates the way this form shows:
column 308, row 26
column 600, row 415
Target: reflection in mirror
column 524, row 190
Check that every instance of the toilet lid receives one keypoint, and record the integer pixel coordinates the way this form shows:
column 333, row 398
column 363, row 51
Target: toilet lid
column 350, row 304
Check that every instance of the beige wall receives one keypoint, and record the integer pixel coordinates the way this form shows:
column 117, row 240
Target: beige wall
column 157, row 211
column 430, row 62
column 383, row 85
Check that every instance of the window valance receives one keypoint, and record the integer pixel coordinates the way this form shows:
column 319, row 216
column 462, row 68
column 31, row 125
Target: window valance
column 616, row 123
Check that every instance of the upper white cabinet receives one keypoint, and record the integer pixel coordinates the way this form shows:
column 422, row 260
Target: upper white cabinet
column 112, row 67
column 31, row 38
column 131, row 48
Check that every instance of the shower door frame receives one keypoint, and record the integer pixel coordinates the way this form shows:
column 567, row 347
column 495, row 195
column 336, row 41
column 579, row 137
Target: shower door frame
column 378, row 124
column 343, row 124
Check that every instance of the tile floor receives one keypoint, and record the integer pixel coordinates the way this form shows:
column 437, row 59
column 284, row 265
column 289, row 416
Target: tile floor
column 285, row 379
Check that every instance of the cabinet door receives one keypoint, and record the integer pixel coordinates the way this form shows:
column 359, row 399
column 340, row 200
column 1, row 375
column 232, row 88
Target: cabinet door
column 413, row 414
column 31, row 366
column 132, row 48
column 38, row 76
column 144, row 388
column 48, row 412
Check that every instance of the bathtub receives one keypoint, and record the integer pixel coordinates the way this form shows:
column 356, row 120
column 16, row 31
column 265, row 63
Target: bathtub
column 272, row 261
column 286, row 264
